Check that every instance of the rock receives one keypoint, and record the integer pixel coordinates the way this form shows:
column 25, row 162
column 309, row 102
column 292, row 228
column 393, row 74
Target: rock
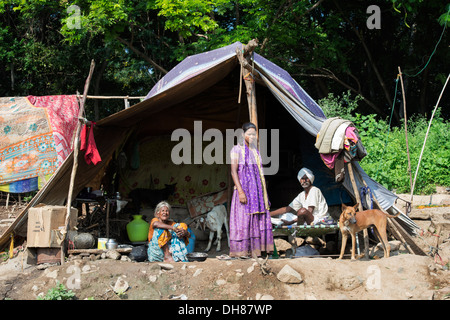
column 282, row 245
column 267, row 297
column 153, row 278
column 419, row 215
column 51, row 274
column 112, row 254
column 197, row 272
column 299, row 241
column 121, row 286
column 288, row 275
column 221, row 282
column 86, row 268
column 345, row 282
column 125, row 258
column 166, row 266
column 315, row 241
column 395, row 245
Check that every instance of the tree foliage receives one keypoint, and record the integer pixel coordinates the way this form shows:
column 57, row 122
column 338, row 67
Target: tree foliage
column 325, row 44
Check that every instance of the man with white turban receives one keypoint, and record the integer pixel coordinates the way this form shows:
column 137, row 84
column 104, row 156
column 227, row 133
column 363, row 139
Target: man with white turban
column 310, row 205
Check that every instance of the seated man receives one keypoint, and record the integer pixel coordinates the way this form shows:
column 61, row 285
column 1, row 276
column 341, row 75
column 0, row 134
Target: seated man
column 310, row 205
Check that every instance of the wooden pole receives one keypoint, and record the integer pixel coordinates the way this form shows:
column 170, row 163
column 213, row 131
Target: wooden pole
column 244, row 57
column 406, row 129
column 76, row 147
column 426, row 136
column 358, row 199
column 436, row 244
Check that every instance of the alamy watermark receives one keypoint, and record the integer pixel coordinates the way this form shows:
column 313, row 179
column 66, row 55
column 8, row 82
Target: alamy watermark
column 74, row 19
column 374, row 20
column 190, row 150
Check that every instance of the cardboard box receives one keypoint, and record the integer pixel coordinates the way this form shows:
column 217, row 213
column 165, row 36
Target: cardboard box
column 44, row 223
column 48, row 255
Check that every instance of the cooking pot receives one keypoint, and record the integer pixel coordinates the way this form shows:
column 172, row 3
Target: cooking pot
column 111, row 244
column 197, row 256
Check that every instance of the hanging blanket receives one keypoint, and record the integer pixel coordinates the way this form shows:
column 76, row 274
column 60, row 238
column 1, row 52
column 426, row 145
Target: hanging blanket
column 34, row 139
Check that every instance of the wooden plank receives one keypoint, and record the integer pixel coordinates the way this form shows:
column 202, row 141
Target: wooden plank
column 398, row 235
column 414, row 247
column 98, row 251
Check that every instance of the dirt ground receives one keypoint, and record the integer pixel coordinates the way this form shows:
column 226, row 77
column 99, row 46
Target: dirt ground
column 403, row 276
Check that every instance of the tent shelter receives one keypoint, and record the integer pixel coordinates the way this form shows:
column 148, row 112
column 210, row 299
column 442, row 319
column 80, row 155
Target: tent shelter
column 206, row 87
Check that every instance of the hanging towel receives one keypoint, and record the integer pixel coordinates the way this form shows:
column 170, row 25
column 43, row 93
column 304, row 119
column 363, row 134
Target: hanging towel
column 325, row 136
column 337, row 142
column 91, row 155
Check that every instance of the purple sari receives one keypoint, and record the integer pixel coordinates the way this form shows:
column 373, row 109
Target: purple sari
column 250, row 225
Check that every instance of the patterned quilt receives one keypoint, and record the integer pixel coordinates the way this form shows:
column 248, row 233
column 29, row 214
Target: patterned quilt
column 35, row 138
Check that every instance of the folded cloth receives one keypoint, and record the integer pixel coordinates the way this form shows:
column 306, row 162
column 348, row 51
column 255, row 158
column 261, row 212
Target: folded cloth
column 326, row 133
column 351, row 135
column 329, row 159
column 288, row 216
column 337, row 143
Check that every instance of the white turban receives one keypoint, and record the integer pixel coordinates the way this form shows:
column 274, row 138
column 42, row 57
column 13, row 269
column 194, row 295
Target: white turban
column 308, row 173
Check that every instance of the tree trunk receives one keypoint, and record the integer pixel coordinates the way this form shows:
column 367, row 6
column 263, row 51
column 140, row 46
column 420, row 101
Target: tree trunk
column 142, row 55
column 97, row 88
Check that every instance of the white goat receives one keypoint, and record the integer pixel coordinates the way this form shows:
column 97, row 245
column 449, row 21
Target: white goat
column 215, row 219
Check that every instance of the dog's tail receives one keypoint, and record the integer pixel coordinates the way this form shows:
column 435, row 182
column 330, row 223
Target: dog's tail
column 391, row 216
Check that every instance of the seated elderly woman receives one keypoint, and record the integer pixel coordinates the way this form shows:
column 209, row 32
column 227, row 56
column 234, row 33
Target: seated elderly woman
column 167, row 239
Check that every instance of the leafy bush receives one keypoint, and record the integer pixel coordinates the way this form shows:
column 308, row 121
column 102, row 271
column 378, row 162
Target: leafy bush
column 59, row 292
column 387, row 160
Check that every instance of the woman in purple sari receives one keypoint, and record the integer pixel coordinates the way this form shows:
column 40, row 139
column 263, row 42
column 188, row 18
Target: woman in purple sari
column 250, row 224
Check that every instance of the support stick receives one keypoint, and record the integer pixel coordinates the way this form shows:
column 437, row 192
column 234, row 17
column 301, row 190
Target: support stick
column 76, row 147
column 426, row 136
column 358, row 199
column 406, row 129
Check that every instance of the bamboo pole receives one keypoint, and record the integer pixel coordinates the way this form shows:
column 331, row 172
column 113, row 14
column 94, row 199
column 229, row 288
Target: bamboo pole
column 426, row 136
column 358, row 199
column 76, row 147
column 406, row 129
column 244, row 57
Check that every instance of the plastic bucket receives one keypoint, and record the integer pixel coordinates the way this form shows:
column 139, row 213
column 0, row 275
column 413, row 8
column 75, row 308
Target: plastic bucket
column 191, row 245
column 102, row 243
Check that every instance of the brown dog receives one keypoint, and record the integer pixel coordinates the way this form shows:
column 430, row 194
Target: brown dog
column 352, row 222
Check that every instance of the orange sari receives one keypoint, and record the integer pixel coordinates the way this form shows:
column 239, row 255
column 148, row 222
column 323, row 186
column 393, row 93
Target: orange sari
column 166, row 235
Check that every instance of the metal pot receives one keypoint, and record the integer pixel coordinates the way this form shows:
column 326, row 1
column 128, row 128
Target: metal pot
column 197, row 256
column 111, row 244
column 84, row 241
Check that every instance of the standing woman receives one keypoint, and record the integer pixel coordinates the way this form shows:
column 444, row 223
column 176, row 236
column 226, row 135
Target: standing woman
column 250, row 224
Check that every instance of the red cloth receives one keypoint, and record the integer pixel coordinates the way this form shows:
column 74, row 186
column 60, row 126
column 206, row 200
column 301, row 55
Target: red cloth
column 83, row 138
column 91, row 156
